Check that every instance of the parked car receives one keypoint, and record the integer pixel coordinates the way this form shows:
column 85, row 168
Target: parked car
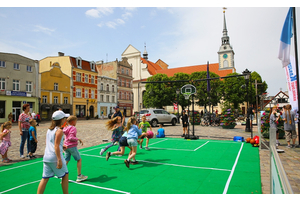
column 158, row 116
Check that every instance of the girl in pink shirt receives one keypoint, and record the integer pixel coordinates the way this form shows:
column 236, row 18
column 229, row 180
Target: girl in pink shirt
column 70, row 143
column 5, row 137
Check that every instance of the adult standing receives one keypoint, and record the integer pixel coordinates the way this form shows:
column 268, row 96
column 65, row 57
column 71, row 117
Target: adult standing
column 24, row 126
column 38, row 118
column 273, row 119
column 10, row 116
column 185, row 121
column 118, row 113
column 289, row 118
column 33, row 115
column 250, row 113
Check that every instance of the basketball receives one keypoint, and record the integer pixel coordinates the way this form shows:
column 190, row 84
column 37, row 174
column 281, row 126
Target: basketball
column 252, row 141
column 248, row 140
column 149, row 134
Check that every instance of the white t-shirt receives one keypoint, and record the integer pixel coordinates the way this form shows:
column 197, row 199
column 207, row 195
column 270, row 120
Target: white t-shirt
column 33, row 115
column 49, row 155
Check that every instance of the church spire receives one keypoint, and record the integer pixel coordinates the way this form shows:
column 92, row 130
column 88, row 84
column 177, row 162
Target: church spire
column 145, row 54
column 225, row 38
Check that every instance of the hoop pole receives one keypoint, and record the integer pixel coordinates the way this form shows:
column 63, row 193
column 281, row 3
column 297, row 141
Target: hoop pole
column 193, row 115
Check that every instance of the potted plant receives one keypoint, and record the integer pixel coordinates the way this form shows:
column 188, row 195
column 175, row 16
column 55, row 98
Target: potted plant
column 196, row 117
column 227, row 119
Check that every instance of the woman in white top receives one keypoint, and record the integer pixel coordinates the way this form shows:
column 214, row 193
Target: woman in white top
column 54, row 162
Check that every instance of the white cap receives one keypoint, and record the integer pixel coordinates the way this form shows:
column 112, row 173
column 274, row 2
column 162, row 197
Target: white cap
column 57, row 115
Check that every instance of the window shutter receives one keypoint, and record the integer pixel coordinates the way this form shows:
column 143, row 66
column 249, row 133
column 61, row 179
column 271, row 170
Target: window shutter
column 82, row 77
column 82, row 93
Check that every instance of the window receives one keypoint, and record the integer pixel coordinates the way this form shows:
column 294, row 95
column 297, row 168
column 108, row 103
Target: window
column 123, row 95
column 44, row 99
column 16, row 66
column 93, row 94
column 120, row 82
column 79, row 62
column 113, row 88
column 122, row 70
column 78, row 77
column 93, row 66
column 86, row 94
column 28, row 86
column 65, row 100
column 56, row 99
column 55, row 86
column 101, row 98
column 107, row 98
column 92, row 80
column 16, row 85
column 127, row 95
column 113, row 99
column 2, row 63
column 2, row 109
column 78, row 92
column 29, row 68
column 101, row 87
column 125, row 82
column 127, row 72
column 120, row 95
column 107, row 87
column 86, row 78
column 2, row 83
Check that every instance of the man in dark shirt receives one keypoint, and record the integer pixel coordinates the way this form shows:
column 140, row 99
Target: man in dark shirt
column 185, row 122
column 250, row 113
column 118, row 113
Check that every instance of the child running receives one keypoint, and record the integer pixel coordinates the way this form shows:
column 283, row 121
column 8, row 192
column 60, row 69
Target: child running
column 54, row 162
column 116, row 126
column 5, row 144
column 123, row 143
column 71, row 143
column 144, row 125
column 160, row 132
column 32, row 138
column 133, row 132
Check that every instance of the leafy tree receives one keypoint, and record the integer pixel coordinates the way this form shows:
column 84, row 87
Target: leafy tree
column 201, row 86
column 158, row 95
column 178, row 85
column 232, row 90
column 261, row 88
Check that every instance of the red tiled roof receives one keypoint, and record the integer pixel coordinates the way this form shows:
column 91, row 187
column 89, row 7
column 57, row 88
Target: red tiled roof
column 152, row 67
column 85, row 64
column 214, row 67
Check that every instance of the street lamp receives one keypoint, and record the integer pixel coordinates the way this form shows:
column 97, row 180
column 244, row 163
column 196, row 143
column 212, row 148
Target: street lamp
column 87, row 110
column 177, row 92
column 247, row 74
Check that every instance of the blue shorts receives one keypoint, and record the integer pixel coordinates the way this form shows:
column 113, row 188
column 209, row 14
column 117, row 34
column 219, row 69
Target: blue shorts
column 50, row 170
column 160, row 136
column 72, row 151
column 123, row 142
column 132, row 142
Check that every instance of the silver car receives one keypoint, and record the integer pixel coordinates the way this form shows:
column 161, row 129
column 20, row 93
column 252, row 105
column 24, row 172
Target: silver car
column 158, row 116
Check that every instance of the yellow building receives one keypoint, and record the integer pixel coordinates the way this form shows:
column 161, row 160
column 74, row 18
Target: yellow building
column 55, row 91
column 83, row 83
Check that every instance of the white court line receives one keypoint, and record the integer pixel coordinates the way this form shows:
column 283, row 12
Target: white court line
column 232, row 171
column 164, row 163
column 20, row 166
column 20, row 186
column 172, row 149
column 201, row 146
column 100, row 187
column 158, row 142
column 91, row 149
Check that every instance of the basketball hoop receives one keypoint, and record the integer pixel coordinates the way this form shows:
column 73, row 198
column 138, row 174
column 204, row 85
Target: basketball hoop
column 186, row 95
column 187, row 90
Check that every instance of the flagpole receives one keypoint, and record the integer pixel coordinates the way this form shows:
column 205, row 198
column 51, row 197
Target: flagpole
column 297, row 70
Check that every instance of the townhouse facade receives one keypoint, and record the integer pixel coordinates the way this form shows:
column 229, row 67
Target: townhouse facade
column 18, row 85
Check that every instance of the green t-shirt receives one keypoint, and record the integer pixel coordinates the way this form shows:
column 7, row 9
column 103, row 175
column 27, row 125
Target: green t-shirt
column 146, row 125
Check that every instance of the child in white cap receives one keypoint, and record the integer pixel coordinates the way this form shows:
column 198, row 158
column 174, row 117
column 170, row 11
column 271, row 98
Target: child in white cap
column 54, row 162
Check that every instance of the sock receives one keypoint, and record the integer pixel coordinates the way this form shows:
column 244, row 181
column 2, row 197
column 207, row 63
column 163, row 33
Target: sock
column 79, row 174
column 134, row 160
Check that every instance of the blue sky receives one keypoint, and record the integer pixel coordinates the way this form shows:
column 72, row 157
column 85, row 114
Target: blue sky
column 180, row 36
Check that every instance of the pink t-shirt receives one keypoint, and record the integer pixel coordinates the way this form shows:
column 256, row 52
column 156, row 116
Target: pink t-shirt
column 71, row 140
column 7, row 136
column 24, row 119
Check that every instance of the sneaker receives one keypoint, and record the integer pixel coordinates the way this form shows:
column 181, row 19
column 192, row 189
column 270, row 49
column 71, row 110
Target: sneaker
column 134, row 162
column 183, row 135
column 101, row 152
column 141, row 147
column 108, row 154
column 28, row 157
column 81, row 178
column 293, row 146
column 22, row 157
column 127, row 163
column 116, row 143
column 289, row 146
column 147, row 148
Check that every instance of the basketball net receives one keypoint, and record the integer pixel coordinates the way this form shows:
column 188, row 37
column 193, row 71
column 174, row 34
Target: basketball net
column 186, row 95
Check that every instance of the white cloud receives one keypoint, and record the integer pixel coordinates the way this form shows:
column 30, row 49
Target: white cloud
column 93, row 13
column 111, row 24
column 43, row 29
column 99, row 12
column 100, row 24
column 126, row 15
column 131, row 8
column 105, row 10
column 120, row 21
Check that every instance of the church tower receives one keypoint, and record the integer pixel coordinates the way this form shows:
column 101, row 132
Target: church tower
column 225, row 53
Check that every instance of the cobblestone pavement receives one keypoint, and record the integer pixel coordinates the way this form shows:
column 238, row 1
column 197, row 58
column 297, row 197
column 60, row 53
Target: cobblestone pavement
column 93, row 132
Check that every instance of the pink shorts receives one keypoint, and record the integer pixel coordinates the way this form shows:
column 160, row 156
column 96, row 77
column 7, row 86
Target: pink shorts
column 4, row 146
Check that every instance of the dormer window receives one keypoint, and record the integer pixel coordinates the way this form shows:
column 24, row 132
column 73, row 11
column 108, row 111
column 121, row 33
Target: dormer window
column 79, row 62
column 92, row 66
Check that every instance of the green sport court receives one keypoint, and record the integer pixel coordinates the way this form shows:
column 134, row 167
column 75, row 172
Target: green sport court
column 171, row 166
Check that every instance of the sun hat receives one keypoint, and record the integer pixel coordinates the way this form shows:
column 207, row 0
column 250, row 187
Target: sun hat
column 57, row 115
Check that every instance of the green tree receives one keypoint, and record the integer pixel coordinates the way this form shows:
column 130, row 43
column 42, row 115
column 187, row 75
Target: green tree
column 158, row 95
column 201, row 86
column 261, row 87
column 232, row 91
column 178, row 85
